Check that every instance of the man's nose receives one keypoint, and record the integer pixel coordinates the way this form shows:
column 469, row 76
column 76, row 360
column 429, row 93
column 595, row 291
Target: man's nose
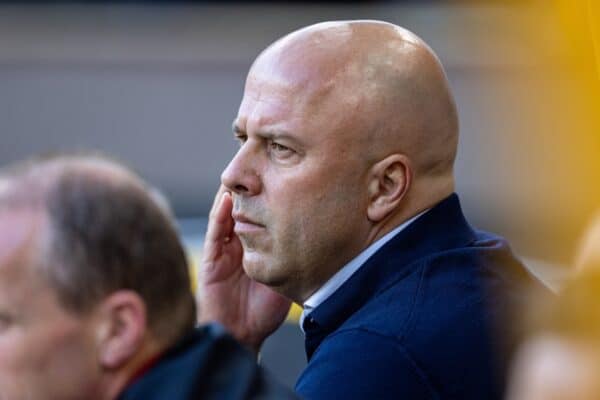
column 241, row 175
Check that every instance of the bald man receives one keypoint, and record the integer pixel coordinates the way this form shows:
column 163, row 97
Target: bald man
column 341, row 199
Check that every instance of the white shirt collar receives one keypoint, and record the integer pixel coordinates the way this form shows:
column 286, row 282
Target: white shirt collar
column 349, row 269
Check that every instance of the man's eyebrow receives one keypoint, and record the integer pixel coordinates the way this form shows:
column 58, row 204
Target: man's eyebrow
column 268, row 134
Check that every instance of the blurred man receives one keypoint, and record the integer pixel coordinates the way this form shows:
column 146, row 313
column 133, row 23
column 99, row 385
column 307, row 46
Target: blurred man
column 341, row 198
column 95, row 299
column 560, row 358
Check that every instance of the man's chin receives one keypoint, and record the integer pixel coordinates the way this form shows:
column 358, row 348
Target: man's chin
column 262, row 272
column 257, row 272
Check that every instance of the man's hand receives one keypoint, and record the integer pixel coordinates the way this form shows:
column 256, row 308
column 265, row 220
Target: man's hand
column 250, row 310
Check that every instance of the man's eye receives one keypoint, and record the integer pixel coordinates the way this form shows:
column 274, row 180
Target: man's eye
column 279, row 149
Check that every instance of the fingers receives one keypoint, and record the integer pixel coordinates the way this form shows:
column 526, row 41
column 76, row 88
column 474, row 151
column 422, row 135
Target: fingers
column 217, row 200
column 223, row 222
column 220, row 227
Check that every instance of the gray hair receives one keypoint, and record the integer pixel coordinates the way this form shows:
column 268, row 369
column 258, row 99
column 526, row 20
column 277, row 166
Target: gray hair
column 106, row 231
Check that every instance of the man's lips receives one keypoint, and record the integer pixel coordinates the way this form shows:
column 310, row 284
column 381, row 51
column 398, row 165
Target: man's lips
column 238, row 217
column 244, row 224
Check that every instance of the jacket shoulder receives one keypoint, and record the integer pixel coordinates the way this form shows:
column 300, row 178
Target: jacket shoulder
column 208, row 364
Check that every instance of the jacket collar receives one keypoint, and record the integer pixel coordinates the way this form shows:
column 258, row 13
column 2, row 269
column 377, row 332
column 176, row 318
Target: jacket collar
column 442, row 227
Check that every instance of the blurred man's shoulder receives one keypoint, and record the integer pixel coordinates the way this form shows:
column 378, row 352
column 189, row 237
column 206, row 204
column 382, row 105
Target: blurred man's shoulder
column 207, row 364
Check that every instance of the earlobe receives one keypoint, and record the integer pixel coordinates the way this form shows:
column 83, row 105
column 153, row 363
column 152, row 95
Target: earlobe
column 122, row 329
column 390, row 181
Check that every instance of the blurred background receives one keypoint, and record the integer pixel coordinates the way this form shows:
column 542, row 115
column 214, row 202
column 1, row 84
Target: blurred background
column 157, row 84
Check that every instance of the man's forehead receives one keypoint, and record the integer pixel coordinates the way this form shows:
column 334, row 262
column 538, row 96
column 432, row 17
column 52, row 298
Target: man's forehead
column 303, row 115
column 277, row 96
column 269, row 109
column 295, row 72
column 273, row 95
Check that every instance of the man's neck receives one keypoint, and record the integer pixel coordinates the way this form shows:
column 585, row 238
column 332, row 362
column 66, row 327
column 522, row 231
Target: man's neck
column 342, row 275
column 414, row 204
column 420, row 199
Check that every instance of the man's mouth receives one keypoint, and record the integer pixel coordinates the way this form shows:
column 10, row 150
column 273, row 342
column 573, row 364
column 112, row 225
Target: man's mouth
column 245, row 224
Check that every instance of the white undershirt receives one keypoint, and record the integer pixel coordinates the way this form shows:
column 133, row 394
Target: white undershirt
column 349, row 269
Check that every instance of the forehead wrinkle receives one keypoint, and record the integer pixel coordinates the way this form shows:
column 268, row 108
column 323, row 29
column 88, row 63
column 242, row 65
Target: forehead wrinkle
column 265, row 120
column 278, row 90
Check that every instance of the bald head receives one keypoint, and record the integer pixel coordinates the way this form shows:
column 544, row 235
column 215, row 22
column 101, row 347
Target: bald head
column 382, row 76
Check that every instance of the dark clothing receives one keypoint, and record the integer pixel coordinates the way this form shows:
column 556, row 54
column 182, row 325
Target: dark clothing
column 207, row 364
column 426, row 317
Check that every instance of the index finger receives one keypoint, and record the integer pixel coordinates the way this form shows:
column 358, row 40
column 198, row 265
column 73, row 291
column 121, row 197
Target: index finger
column 220, row 225
column 217, row 200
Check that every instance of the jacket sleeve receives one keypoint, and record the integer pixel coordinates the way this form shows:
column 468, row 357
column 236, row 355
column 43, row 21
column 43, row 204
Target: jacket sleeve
column 359, row 364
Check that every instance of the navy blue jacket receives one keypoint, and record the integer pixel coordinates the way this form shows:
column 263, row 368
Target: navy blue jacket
column 207, row 364
column 428, row 316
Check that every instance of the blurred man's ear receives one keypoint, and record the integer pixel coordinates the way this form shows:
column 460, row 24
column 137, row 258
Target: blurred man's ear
column 121, row 329
column 388, row 184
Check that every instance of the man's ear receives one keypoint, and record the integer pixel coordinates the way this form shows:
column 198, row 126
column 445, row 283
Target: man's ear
column 122, row 329
column 389, row 182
